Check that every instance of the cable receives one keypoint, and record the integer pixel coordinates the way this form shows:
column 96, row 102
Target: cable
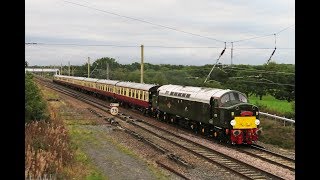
column 264, row 35
column 151, row 46
column 285, row 29
column 269, row 83
column 258, row 71
column 69, row 44
column 143, row 21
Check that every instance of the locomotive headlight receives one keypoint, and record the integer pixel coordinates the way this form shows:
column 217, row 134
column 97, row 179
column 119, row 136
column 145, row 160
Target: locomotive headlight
column 257, row 113
column 232, row 113
column 257, row 121
column 233, row 122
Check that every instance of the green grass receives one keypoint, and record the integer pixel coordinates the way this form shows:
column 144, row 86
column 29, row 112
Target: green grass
column 275, row 133
column 96, row 176
column 272, row 105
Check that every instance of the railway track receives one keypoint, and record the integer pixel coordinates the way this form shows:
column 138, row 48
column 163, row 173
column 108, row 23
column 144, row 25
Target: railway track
column 269, row 156
column 215, row 157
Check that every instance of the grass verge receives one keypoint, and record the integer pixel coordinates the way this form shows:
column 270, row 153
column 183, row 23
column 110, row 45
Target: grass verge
column 275, row 133
column 274, row 106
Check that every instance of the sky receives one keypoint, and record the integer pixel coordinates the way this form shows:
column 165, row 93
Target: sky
column 180, row 32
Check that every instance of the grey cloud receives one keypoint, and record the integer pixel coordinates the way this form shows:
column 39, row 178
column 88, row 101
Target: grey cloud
column 60, row 22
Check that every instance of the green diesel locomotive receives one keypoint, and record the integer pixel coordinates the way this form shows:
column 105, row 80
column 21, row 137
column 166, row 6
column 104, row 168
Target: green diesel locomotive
column 221, row 113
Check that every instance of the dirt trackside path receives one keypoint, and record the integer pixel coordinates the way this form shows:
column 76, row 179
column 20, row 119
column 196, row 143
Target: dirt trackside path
column 98, row 142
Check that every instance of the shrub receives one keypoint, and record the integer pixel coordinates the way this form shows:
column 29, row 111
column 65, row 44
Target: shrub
column 46, row 148
column 35, row 106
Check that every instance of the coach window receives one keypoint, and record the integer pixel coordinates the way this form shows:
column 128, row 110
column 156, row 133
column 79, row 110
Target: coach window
column 129, row 92
column 141, row 95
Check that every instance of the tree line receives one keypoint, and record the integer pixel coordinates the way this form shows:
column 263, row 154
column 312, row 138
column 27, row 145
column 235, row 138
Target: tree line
column 275, row 79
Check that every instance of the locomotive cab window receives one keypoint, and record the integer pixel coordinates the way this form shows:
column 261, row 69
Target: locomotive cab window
column 232, row 98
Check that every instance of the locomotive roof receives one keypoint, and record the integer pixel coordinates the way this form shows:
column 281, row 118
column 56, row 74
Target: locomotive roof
column 199, row 94
column 134, row 85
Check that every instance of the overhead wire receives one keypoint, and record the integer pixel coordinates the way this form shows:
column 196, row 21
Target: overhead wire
column 151, row 46
column 267, row 83
column 143, row 21
column 257, row 71
column 246, row 39
column 171, row 28
column 261, row 37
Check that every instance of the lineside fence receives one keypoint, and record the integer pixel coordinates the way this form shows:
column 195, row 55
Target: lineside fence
column 286, row 121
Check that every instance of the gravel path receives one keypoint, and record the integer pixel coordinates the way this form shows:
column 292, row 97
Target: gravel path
column 112, row 160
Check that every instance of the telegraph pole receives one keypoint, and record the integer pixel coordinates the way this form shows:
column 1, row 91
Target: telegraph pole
column 141, row 64
column 107, row 70
column 231, row 52
column 88, row 67
column 69, row 67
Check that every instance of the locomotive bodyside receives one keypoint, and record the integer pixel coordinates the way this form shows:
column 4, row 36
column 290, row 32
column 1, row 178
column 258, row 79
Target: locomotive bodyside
column 221, row 113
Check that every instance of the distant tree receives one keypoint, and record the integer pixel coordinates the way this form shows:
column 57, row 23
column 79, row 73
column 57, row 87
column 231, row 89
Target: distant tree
column 26, row 64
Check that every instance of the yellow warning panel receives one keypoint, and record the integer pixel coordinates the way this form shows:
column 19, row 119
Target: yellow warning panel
column 246, row 122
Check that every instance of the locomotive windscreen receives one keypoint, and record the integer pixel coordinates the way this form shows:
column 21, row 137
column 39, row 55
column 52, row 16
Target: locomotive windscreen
column 232, row 98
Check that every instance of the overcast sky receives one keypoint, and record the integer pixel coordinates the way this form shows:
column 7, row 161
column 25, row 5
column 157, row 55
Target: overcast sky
column 61, row 22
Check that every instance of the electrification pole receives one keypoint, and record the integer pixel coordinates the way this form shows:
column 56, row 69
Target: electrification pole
column 88, row 67
column 69, row 67
column 141, row 64
column 107, row 70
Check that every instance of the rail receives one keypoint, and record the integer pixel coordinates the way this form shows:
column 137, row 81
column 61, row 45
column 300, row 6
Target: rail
column 278, row 117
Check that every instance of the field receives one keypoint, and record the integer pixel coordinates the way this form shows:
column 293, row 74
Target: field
column 272, row 105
